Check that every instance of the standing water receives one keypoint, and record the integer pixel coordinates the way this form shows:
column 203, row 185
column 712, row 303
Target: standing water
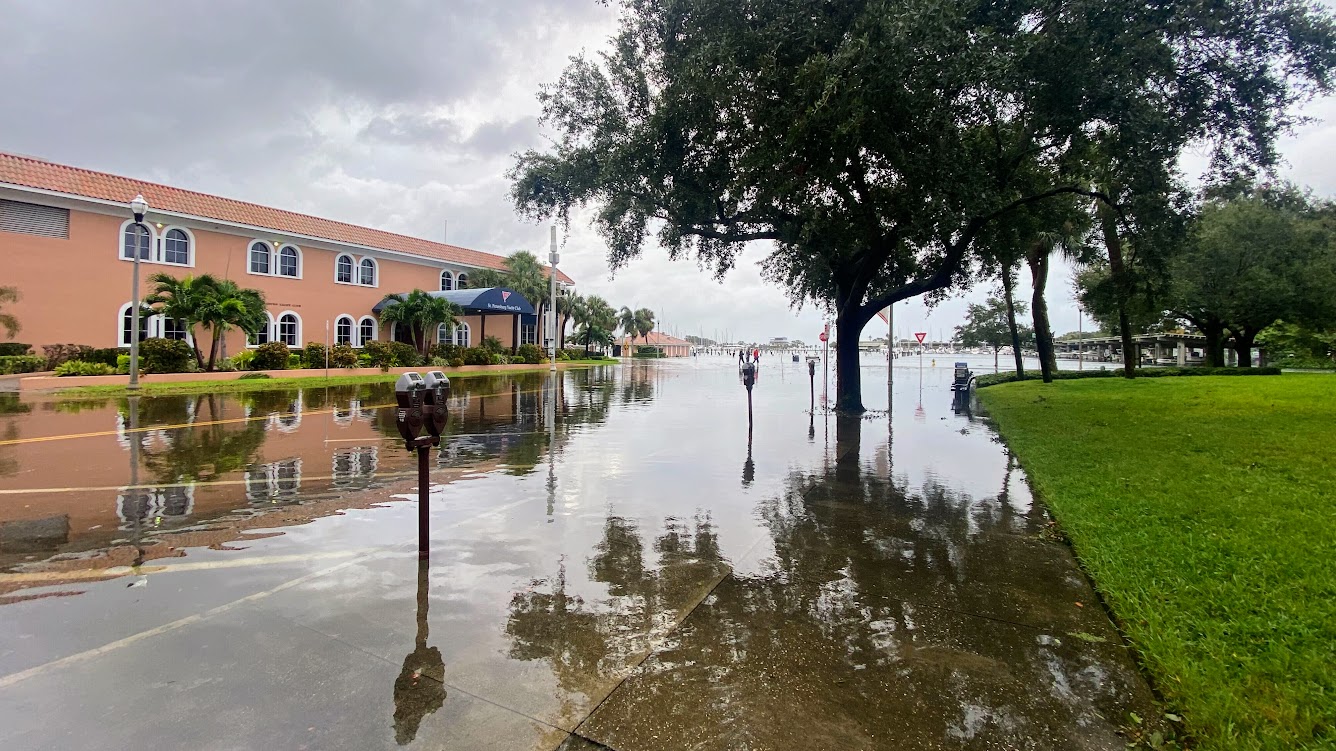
column 641, row 572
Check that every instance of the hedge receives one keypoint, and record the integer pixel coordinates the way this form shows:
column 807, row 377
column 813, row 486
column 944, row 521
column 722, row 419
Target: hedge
column 992, row 379
column 14, row 349
column 12, row 364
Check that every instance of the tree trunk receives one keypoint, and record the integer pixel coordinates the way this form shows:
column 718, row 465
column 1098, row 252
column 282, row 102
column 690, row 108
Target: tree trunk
column 1007, row 283
column 848, row 378
column 213, row 350
column 996, row 367
column 1243, row 344
column 1043, row 334
column 1215, row 335
column 194, row 344
column 1121, row 285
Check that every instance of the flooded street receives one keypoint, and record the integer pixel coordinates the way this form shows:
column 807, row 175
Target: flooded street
column 636, row 573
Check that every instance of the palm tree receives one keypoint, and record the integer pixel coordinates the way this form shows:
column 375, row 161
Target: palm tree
column 231, row 306
column 627, row 320
column 645, row 322
column 525, row 274
column 422, row 313
column 11, row 324
column 595, row 320
column 183, row 300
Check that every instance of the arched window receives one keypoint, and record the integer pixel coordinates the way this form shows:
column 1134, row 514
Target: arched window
column 444, row 335
column 289, row 262
column 462, row 334
column 126, row 319
column 176, row 247
column 343, row 330
column 264, row 334
column 366, row 330
column 462, row 282
column 259, row 258
column 174, row 328
column 367, row 272
column 289, row 329
column 447, row 281
column 137, row 236
column 343, row 269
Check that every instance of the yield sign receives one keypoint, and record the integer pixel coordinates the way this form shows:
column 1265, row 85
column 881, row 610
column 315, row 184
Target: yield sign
column 919, row 335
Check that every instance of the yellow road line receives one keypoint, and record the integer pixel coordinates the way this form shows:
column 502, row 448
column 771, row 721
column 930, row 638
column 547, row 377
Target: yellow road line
column 34, row 577
column 228, row 421
column 13, row 678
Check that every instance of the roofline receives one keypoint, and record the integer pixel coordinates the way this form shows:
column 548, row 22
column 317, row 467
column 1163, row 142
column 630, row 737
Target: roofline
column 258, row 230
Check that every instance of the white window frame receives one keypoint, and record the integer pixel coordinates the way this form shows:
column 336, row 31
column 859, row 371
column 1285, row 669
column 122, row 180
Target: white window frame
column 444, row 335
column 352, row 329
column 461, row 327
column 250, row 248
column 447, row 280
column 152, row 242
column 352, row 277
column 278, row 329
column 154, row 327
column 375, row 272
column 160, row 247
column 461, row 279
column 375, row 331
column 278, row 258
column 268, row 332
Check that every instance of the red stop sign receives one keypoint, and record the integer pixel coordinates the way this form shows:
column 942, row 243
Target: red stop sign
column 823, row 336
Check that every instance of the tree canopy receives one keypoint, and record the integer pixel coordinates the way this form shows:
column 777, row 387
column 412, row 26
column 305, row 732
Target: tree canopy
column 422, row 313
column 986, row 325
column 874, row 141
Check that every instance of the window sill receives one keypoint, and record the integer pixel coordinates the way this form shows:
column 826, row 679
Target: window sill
column 357, row 284
column 190, row 265
column 273, row 276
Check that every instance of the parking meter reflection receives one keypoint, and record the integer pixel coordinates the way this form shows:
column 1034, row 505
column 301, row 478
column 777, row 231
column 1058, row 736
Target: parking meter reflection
column 409, row 393
column 436, row 402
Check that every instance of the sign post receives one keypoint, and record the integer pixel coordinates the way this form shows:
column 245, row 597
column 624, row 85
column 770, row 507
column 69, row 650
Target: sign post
column 825, row 366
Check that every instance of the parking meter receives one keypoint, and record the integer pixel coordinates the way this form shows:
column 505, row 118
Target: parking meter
column 811, row 366
column 437, row 388
column 749, row 376
column 409, row 392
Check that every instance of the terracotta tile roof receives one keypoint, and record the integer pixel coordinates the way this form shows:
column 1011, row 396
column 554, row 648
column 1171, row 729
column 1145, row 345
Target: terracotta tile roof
column 59, row 178
column 660, row 339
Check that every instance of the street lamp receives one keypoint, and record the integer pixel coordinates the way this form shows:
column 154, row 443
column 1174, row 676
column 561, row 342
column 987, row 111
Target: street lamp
column 138, row 207
column 552, row 258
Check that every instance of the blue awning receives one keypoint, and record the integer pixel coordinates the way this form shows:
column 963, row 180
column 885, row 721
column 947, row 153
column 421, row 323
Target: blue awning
column 498, row 300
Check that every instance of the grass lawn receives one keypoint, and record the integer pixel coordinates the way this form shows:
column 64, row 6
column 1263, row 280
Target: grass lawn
column 1205, row 511
column 265, row 384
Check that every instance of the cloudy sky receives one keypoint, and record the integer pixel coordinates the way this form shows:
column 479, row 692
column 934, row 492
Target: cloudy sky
column 397, row 115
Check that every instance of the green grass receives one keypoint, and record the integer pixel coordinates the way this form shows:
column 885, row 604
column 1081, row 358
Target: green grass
column 269, row 384
column 1205, row 511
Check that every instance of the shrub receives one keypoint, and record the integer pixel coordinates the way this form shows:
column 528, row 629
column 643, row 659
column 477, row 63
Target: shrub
column 270, row 356
column 14, row 349
column 529, row 354
column 122, row 364
column 498, row 359
column 165, row 356
column 457, row 362
column 342, row 356
column 477, row 356
column 314, row 356
column 253, row 376
column 294, row 361
column 446, row 351
column 11, row 364
column 106, row 355
column 59, row 353
column 82, row 368
column 378, row 355
column 243, row 359
column 492, row 344
column 405, row 355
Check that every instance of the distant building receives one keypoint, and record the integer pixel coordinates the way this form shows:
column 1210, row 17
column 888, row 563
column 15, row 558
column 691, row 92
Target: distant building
column 671, row 345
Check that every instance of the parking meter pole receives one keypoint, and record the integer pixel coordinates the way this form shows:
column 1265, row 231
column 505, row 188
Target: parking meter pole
column 424, row 497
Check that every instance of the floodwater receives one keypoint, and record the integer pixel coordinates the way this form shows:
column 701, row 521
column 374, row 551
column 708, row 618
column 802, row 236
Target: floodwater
column 616, row 561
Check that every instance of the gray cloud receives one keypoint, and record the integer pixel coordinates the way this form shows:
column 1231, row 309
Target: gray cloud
column 399, row 115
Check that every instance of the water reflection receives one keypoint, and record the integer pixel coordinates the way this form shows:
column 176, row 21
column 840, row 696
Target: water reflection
column 420, row 689
column 158, row 474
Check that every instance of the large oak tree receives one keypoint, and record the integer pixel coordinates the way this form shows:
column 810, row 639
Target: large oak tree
column 873, row 141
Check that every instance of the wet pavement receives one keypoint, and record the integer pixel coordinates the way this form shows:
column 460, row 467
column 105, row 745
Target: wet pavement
column 614, row 563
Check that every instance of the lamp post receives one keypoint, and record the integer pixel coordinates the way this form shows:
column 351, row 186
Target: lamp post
column 138, row 207
column 552, row 258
